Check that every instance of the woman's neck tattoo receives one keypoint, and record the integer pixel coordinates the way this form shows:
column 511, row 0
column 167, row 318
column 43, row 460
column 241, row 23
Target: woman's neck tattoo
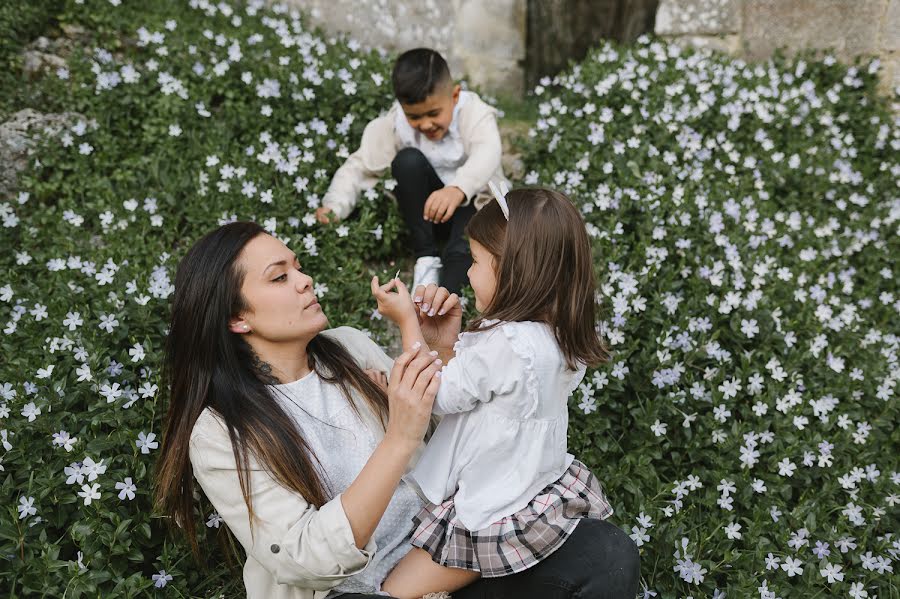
column 264, row 371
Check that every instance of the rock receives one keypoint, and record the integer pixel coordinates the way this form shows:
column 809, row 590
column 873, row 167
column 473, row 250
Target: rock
column 890, row 32
column 18, row 136
column 490, row 43
column 849, row 27
column 730, row 44
column 698, row 17
column 34, row 62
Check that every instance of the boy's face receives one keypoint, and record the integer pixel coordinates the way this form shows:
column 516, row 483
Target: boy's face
column 432, row 116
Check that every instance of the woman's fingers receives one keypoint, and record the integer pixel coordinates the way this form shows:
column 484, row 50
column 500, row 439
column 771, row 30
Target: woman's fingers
column 431, row 390
column 424, row 378
column 422, row 361
column 418, row 293
column 376, row 288
column 402, row 362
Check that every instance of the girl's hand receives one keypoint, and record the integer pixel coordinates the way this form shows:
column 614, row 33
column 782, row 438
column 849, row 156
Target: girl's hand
column 440, row 315
column 413, row 385
column 325, row 215
column 397, row 307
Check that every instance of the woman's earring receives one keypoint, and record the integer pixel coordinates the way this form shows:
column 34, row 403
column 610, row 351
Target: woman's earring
column 246, row 327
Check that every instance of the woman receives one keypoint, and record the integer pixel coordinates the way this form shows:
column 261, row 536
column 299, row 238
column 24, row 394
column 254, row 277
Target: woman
column 300, row 451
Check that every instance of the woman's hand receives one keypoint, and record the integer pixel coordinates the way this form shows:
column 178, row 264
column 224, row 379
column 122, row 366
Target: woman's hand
column 397, row 307
column 377, row 377
column 439, row 314
column 412, row 387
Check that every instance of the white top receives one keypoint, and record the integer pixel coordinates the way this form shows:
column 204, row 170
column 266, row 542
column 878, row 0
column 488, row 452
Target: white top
column 504, row 436
column 343, row 444
column 447, row 154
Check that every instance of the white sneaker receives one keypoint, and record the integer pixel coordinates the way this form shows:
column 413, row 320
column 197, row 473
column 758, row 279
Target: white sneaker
column 426, row 271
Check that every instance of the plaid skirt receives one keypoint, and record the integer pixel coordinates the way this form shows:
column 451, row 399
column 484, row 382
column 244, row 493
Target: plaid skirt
column 516, row 542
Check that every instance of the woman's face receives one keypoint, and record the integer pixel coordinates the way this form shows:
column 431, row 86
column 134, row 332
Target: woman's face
column 281, row 305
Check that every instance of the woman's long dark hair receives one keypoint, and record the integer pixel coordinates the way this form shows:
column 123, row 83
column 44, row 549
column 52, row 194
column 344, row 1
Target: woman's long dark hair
column 207, row 366
column 544, row 269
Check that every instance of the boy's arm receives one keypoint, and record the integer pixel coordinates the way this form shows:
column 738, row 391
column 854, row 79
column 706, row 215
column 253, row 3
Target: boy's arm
column 362, row 169
column 485, row 151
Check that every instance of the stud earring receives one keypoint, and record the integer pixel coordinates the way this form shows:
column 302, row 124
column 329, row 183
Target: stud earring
column 246, row 328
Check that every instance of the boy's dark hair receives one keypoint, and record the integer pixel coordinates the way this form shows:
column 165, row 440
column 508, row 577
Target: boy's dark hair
column 417, row 74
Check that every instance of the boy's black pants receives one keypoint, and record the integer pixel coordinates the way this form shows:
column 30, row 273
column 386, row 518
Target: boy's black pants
column 416, row 179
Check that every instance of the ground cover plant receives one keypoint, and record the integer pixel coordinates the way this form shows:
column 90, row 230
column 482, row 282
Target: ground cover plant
column 745, row 221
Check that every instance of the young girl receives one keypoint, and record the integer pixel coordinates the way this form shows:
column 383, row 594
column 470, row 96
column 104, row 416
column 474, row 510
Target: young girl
column 503, row 491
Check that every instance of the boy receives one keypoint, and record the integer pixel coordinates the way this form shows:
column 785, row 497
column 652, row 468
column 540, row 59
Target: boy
column 443, row 147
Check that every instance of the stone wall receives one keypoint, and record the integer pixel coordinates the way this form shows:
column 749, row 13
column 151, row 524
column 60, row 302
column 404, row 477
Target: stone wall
column 502, row 46
column 483, row 41
column 754, row 29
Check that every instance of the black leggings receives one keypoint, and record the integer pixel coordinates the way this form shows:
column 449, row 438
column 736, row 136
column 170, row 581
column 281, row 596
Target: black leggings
column 416, row 179
column 599, row 561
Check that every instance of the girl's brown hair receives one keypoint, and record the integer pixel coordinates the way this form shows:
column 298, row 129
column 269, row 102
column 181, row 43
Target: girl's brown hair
column 544, row 268
column 207, row 366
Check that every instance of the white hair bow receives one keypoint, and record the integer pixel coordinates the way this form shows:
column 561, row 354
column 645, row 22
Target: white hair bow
column 500, row 195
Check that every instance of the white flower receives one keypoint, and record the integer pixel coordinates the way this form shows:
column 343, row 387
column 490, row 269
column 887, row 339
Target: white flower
column 160, row 580
column 31, row 411
column 73, row 320
column 136, row 352
column 74, row 474
column 792, row 566
column 89, row 493
column 44, row 373
column 732, row 531
column 832, row 572
column 214, row 521
column 147, row 389
column 65, row 441
column 26, row 507
column 588, row 404
column 92, row 469
column 749, row 328
column 786, row 468
column 126, row 488
column 145, row 442
column 110, row 392
column 659, row 428
column 639, row 535
column 108, row 322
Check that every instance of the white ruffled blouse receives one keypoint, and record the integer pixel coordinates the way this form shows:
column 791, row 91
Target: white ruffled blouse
column 503, row 436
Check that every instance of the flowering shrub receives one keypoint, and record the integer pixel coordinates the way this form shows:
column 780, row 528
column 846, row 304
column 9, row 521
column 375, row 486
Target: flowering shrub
column 192, row 116
column 745, row 220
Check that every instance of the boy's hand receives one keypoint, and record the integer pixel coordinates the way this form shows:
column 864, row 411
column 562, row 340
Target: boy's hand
column 322, row 215
column 397, row 307
column 442, row 203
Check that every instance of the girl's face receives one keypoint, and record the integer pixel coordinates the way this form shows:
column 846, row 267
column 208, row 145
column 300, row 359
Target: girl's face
column 482, row 276
column 281, row 305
